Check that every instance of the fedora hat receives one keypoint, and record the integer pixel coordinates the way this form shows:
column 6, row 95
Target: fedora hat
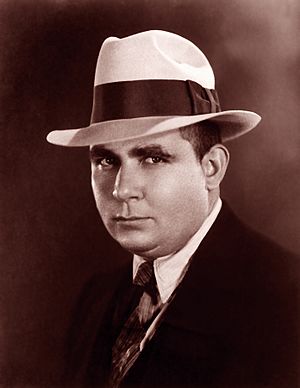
column 149, row 83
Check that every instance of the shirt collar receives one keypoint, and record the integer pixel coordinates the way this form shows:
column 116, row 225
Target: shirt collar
column 169, row 269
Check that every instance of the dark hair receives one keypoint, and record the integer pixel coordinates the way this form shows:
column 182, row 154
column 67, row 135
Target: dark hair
column 202, row 136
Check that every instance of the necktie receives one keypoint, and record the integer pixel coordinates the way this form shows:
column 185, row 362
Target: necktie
column 127, row 347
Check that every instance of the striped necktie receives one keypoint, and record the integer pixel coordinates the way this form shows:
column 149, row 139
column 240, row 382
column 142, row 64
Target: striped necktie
column 127, row 347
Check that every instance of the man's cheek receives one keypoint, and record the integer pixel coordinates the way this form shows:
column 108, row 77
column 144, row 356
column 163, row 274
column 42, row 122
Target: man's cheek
column 166, row 190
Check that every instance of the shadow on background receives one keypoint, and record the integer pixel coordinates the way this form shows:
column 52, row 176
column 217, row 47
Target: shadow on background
column 52, row 236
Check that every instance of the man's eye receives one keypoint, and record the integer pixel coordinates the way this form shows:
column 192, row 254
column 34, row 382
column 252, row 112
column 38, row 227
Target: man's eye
column 106, row 162
column 154, row 160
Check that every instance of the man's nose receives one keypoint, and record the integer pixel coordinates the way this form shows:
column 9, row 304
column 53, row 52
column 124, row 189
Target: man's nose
column 127, row 184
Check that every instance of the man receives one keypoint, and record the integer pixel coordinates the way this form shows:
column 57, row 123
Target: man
column 206, row 301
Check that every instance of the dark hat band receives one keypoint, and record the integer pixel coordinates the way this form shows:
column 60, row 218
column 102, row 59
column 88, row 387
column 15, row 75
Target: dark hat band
column 142, row 98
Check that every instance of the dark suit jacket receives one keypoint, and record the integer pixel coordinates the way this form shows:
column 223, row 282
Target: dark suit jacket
column 233, row 322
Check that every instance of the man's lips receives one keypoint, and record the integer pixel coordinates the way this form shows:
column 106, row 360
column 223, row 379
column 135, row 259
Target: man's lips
column 130, row 218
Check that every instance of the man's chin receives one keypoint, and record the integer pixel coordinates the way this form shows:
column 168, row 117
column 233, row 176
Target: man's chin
column 140, row 248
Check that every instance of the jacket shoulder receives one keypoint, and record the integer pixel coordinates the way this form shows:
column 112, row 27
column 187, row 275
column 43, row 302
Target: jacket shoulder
column 236, row 239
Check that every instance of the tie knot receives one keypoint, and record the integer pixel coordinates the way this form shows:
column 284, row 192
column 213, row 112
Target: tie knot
column 144, row 274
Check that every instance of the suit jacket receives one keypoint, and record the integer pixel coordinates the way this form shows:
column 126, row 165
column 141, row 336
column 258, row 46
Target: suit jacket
column 233, row 322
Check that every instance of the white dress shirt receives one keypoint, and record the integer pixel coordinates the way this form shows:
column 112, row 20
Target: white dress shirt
column 169, row 270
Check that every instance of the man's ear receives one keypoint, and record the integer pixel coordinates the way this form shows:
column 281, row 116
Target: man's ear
column 214, row 164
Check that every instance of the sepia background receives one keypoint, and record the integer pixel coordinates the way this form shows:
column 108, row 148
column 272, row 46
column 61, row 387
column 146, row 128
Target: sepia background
column 51, row 236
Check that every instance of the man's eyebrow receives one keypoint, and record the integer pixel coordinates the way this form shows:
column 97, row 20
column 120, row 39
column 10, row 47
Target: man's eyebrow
column 136, row 152
column 149, row 150
column 97, row 151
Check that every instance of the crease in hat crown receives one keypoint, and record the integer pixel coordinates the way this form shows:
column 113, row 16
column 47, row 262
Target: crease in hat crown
column 152, row 54
column 140, row 60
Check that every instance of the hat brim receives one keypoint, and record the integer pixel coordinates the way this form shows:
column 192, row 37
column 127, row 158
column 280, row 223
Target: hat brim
column 232, row 124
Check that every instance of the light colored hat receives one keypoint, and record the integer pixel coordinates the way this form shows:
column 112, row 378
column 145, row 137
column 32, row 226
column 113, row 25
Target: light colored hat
column 150, row 83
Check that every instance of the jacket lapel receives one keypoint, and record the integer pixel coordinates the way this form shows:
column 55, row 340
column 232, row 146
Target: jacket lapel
column 215, row 273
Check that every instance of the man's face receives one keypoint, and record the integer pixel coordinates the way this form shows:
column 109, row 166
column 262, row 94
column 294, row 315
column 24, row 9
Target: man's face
column 150, row 193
